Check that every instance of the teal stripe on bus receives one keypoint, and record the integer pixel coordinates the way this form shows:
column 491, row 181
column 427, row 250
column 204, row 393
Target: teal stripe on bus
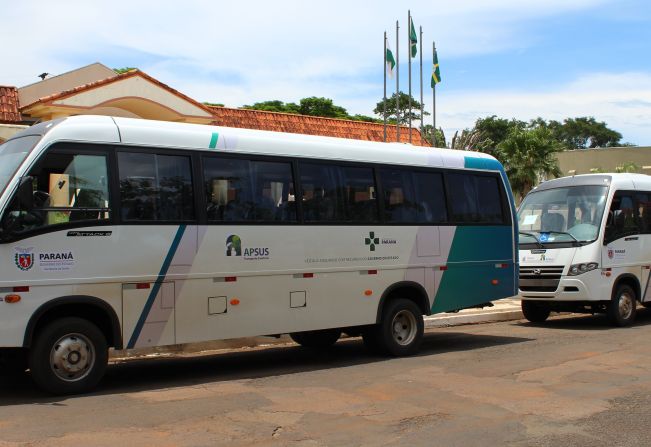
column 157, row 285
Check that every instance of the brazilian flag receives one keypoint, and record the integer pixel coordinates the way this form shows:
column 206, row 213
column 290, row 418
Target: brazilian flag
column 436, row 73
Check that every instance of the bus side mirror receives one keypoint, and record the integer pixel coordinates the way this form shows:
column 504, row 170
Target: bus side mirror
column 25, row 193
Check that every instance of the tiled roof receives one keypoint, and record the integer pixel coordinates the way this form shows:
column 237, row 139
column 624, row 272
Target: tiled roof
column 119, row 77
column 9, row 107
column 311, row 125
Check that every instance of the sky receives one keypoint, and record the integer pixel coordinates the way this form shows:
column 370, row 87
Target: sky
column 510, row 58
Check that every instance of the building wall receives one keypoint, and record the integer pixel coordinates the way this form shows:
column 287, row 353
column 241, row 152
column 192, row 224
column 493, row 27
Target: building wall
column 7, row 130
column 607, row 159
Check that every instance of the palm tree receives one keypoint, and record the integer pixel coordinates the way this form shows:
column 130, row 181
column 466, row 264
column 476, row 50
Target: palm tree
column 528, row 155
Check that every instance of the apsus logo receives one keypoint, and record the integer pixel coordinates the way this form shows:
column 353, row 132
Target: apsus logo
column 24, row 258
column 233, row 245
column 234, row 248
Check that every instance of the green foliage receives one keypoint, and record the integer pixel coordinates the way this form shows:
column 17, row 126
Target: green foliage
column 213, row 104
column 528, row 155
column 426, row 133
column 123, row 69
column 274, row 106
column 404, row 108
column 627, row 166
column 583, row 132
column 314, row 106
column 497, row 129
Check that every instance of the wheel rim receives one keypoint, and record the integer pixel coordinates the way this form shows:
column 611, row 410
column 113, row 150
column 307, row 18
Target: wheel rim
column 72, row 357
column 404, row 327
column 625, row 305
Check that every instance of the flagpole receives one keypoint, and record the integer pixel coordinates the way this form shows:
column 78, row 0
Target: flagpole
column 384, row 103
column 422, row 105
column 433, row 99
column 397, row 82
column 409, row 25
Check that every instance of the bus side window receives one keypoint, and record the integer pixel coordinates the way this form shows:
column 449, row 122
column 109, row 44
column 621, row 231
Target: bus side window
column 66, row 188
column 155, row 187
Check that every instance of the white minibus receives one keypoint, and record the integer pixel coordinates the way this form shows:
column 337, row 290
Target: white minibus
column 125, row 233
column 585, row 246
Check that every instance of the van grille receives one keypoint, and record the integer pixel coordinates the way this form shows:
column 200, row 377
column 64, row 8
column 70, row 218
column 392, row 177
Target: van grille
column 540, row 278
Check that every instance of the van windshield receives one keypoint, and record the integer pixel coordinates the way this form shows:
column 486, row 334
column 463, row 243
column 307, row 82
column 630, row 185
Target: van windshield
column 12, row 154
column 562, row 215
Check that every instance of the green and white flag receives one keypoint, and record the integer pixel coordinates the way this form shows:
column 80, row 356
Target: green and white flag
column 436, row 73
column 413, row 40
column 390, row 61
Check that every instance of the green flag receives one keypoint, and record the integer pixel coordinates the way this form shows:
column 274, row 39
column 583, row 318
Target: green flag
column 413, row 40
column 436, row 73
column 390, row 61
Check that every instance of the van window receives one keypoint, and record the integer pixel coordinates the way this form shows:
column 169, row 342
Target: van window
column 623, row 217
column 155, row 187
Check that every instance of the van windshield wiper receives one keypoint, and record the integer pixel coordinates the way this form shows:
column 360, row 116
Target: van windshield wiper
column 562, row 232
column 533, row 235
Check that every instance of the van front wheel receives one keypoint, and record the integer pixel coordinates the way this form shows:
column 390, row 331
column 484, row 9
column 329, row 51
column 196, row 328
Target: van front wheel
column 535, row 311
column 622, row 307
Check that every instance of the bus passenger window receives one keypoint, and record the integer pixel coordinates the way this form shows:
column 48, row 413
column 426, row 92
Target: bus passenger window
column 155, row 187
column 66, row 188
column 359, row 192
column 322, row 193
column 475, row 199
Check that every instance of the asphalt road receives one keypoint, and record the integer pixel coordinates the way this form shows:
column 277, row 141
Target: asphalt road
column 574, row 381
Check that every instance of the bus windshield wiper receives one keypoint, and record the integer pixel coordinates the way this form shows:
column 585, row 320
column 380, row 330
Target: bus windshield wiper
column 533, row 235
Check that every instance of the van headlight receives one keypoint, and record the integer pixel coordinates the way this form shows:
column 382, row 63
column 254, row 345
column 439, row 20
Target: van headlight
column 577, row 269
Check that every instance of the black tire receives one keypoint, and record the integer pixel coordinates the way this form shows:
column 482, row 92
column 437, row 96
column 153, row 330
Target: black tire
column 622, row 306
column 535, row 311
column 400, row 332
column 68, row 356
column 317, row 339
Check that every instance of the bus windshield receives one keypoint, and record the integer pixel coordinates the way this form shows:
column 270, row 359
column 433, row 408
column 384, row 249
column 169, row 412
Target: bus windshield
column 12, row 154
column 562, row 215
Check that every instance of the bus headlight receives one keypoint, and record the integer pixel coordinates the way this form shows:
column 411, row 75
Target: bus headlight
column 577, row 269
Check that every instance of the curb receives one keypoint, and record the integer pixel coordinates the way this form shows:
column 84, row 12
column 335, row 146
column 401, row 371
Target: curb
column 458, row 320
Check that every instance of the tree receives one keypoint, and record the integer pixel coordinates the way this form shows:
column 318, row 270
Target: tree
column 471, row 140
column 404, row 109
column 314, row 106
column 426, row 134
column 123, row 69
column 213, row 104
column 528, row 155
column 584, row 132
column 497, row 129
column 274, row 106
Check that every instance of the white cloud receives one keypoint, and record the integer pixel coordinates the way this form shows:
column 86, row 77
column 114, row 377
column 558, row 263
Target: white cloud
column 622, row 100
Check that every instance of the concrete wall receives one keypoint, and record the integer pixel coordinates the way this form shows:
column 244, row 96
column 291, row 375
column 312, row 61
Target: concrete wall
column 606, row 159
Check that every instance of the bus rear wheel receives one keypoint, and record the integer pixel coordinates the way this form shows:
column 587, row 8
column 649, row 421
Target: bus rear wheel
column 535, row 311
column 400, row 331
column 69, row 356
column 317, row 339
column 622, row 307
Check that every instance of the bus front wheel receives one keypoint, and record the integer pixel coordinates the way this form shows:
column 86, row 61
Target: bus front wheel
column 316, row 339
column 622, row 307
column 535, row 311
column 400, row 331
column 69, row 356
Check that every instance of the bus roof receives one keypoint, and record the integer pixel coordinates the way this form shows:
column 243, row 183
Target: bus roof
column 163, row 134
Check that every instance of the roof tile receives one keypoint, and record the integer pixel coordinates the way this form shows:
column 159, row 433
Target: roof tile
column 9, row 106
column 329, row 127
